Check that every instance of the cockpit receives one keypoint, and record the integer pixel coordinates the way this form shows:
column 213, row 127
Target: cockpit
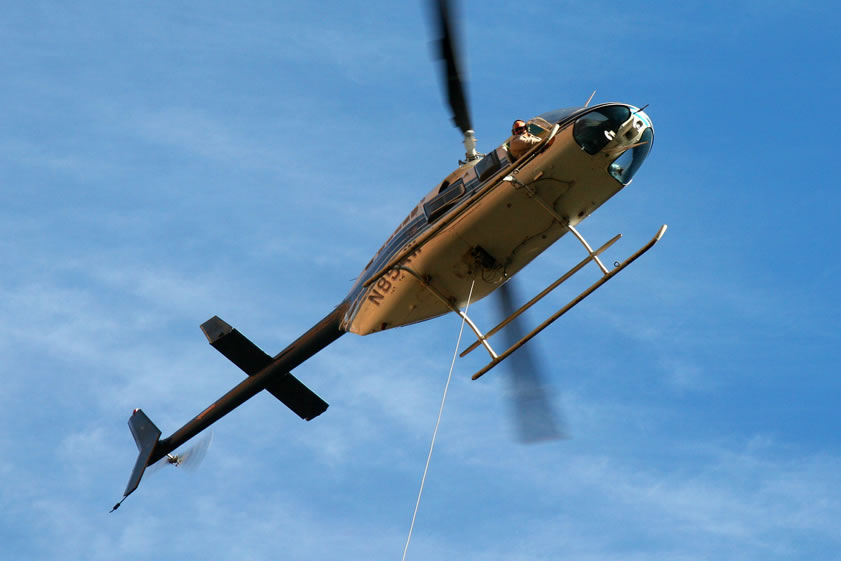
column 622, row 133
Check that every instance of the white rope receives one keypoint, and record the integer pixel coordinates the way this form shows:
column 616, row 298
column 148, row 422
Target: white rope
column 437, row 423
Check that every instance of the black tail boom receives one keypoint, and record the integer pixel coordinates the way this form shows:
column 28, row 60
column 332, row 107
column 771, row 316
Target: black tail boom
column 264, row 373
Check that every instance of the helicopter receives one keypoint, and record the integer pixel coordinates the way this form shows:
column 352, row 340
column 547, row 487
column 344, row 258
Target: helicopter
column 464, row 240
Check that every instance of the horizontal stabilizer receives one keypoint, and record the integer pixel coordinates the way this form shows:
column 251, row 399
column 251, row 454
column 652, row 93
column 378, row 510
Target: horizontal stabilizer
column 237, row 348
column 297, row 397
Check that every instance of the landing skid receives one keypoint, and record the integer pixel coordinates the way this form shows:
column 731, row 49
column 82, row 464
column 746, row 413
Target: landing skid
column 593, row 256
column 496, row 358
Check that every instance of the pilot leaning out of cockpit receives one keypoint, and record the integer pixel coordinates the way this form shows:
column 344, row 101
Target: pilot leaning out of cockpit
column 521, row 140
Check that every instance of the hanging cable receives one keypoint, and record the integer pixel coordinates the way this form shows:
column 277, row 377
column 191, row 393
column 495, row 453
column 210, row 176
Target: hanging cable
column 437, row 423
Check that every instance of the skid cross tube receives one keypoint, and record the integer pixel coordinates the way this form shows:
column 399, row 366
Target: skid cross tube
column 544, row 292
column 571, row 304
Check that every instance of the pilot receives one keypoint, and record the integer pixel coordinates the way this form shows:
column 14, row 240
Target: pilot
column 522, row 140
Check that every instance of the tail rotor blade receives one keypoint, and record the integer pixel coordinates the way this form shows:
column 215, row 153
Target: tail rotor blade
column 194, row 455
column 156, row 467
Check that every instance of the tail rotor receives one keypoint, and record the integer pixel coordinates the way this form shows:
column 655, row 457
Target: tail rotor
column 191, row 458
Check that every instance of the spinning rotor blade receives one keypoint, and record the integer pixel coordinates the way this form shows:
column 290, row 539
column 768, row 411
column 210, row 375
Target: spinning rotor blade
column 189, row 459
column 448, row 52
column 156, row 467
column 194, row 455
column 532, row 408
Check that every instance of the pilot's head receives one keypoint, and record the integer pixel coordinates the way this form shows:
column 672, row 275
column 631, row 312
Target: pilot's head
column 519, row 127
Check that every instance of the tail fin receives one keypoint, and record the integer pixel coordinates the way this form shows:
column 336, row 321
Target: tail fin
column 146, row 436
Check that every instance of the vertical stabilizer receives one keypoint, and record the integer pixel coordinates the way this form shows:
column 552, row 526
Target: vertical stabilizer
column 146, row 436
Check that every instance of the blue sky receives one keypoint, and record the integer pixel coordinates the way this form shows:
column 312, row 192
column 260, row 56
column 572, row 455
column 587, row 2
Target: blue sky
column 161, row 164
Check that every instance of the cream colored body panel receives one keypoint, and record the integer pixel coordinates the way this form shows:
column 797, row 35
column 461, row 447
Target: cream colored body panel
column 507, row 223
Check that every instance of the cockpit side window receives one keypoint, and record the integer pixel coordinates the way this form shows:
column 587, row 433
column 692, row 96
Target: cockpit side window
column 597, row 128
column 539, row 126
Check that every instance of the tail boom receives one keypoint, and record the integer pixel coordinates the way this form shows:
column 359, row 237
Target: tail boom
column 317, row 338
column 264, row 372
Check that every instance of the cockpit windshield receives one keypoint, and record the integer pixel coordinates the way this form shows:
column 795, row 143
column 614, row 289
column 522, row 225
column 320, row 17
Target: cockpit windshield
column 625, row 166
column 619, row 132
column 597, row 128
column 558, row 114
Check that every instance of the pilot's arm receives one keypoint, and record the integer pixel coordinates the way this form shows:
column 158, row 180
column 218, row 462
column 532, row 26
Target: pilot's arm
column 521, row 143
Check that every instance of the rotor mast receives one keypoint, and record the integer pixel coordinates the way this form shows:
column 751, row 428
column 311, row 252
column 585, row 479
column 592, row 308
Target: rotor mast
column 453, row 76
column 470, row 146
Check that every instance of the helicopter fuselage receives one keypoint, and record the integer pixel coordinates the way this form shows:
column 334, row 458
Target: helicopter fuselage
column 482, row 224
column 492, row 216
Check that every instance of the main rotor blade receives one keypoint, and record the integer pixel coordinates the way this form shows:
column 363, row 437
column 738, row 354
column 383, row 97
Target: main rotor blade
column 448, row 51
column 534, row 415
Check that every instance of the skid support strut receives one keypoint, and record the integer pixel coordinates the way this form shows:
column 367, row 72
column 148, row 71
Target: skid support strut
column 479, row 335
column 606, row 276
